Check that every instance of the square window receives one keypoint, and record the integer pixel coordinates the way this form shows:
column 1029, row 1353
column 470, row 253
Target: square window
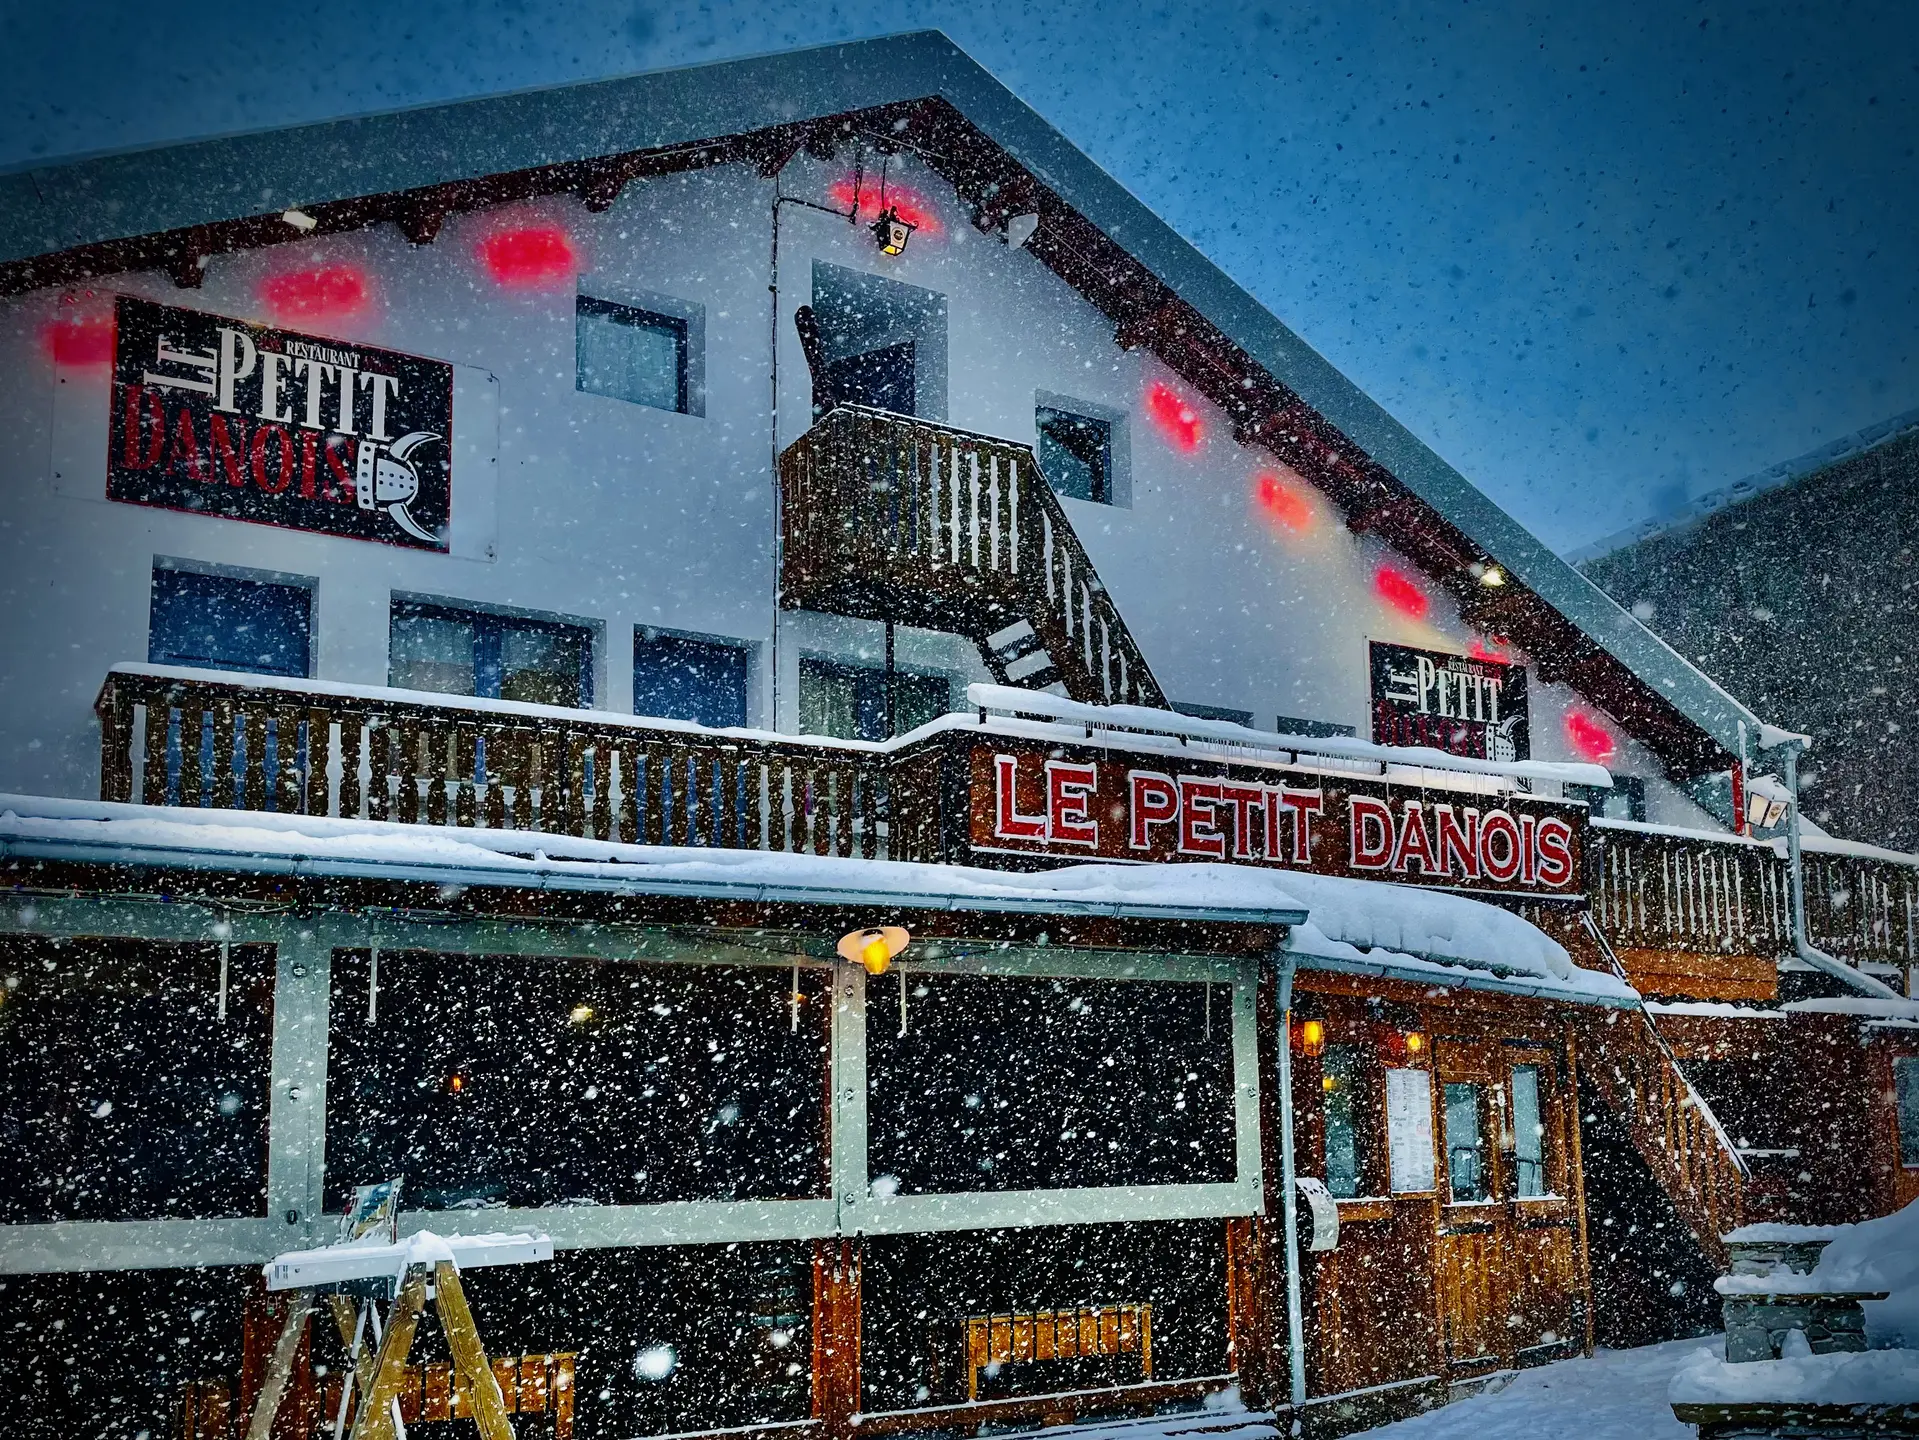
column 631, row 354
column 1905, row 1079
column 497, row 657
column 848, row 702
column 680, row 678
column 223, row 622
column 1076, row 454
column 1465, row 1143
column 1625, row 800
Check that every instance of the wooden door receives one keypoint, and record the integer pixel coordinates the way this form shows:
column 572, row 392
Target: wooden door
column 1507, row 1249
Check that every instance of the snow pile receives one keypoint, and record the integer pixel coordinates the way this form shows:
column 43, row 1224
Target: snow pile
column 1873, row 1257
column 1871, row 1377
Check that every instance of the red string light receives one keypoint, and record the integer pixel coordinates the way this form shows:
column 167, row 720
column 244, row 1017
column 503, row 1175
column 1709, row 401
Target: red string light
column 1282, row 503
column 333, row 292
column 1400, row 592
column 530, row 257
column 78, row 339
column 908, row 204
column 1589, row 737
column 1175, row 419
column 1496, row 650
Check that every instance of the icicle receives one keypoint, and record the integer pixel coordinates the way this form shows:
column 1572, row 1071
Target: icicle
column 225, row 932
column 1209, row 1007
column 793, row 1003
column 902, row 975
column 373, row 981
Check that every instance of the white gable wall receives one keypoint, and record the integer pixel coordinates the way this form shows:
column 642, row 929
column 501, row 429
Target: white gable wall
column 619, row 515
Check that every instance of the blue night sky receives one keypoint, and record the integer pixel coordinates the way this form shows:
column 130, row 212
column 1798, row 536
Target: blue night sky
column 1601, row 257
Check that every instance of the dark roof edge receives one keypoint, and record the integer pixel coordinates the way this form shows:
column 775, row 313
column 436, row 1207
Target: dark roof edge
column 57, row 208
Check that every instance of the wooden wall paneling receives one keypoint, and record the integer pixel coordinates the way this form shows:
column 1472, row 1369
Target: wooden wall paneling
column 836, row 1335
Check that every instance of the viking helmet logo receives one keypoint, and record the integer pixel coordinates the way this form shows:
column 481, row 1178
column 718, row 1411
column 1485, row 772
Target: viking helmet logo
column 389, row 482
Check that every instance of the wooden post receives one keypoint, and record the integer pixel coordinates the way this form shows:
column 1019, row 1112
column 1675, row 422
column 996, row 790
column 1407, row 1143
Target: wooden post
column 375, row 1420
column 1576, row 1180
column 469, row 1355
column 1249, row 1311
column 279, row 1369
column 836, row 1335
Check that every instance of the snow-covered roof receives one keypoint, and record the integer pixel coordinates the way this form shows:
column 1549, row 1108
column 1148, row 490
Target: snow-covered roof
column 108, row 198
column 1419, row 934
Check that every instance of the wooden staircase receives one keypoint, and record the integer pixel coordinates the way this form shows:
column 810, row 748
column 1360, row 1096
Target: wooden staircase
column 1670, row 1124
column 886, row 517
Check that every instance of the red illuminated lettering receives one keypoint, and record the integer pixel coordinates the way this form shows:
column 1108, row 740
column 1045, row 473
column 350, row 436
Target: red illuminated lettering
column 1414, row 848
column 1008, row 823
column 1199, row 832
column 1371, row 825
column 186, row 446
column 144, row 413
column 309, row 462
column 339, row 477
column 1555, row 851
column 226, row 452
column 283, row 445
column 1155, row 801
column 1304, row 804
column 1247, row 802
column 1458, row 844
column 1499, row 825
column 1069, row 794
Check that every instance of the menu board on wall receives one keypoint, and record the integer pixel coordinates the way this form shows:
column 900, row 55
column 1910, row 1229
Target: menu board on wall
column 1460, row 704
column 220, row 417
column 1409, row 1130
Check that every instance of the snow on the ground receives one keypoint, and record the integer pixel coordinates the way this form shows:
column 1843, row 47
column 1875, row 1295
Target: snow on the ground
column 1616, row 1395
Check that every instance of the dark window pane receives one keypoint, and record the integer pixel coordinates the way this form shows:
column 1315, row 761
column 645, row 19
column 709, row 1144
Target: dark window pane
column 631, row 354
column 498, row 657
column 994, row 1314
column 1906, row 1083
column 883, row 378
column 848, row 702
column 679, row 678
column 1465, row 1146
column 1076, row 454
column 123, row 1093
column 503, row 1081
column 1340, row 1072
column 109, row 1353
column 220, row 622
column 1529, row 1133
column 1010, row 1083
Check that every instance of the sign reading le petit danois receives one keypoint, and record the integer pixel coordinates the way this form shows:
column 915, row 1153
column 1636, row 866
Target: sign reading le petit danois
column 1079, row 804
column 1457, row 703
column 224, row 418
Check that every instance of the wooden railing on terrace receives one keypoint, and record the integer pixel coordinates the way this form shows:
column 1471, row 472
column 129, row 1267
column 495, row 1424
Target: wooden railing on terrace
column 1652, row 890
column 887, row 517
column 303, row 748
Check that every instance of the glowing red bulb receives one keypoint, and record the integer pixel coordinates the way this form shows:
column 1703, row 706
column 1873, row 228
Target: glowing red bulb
column 78, row 339
column 1481, row 650
column 1176, row 419
column 1282, row 502
column 333, row 292
column 909, row 205
column 1400, row 592
column 1590, row 738
column 531, row 257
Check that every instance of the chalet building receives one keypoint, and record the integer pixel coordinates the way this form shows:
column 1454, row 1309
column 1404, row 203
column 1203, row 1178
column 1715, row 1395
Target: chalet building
column 756, row 670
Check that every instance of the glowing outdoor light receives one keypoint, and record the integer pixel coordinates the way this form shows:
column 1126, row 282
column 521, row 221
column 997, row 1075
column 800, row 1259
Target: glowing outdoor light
column 1590, row 738
column 1491, row 576
column 892, row 232
column 1400, row 592
column 874, row 948
column 1763, row 812
column 1312, row 1036
column 1415, row 1042
column 580, row 1014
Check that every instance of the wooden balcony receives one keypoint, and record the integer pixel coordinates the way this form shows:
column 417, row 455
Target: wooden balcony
column 886, row 517
column 1688, row 914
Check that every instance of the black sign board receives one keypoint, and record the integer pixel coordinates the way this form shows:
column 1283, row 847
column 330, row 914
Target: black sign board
column 1456, row 703
column 224, row 418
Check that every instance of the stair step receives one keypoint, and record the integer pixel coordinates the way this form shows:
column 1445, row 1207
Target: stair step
column 1024, row 669
column 1011, row 637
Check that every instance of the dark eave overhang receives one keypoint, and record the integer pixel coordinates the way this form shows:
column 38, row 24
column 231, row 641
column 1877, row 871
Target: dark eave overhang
column 170, row 208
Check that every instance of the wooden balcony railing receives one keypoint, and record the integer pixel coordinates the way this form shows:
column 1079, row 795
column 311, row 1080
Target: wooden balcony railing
column 303, row 748
column 892, row 518
column 1654, row 890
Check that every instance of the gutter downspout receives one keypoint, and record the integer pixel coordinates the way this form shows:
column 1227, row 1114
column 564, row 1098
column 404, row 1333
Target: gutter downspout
column 1802, row 945
column 1289, row 1203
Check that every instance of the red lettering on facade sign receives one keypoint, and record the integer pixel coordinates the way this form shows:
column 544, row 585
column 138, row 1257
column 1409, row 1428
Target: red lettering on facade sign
column 1501, row 862
column 146, row 418
column 1555, row 851
column 1155, row 802
column 186, row 446
column 1073, row 804
column 1199, row 820
column 1458, row 844
column 1008, row 823
column 1069, row 797
column 1372, row 833
column 226, row 452
column 283, row 445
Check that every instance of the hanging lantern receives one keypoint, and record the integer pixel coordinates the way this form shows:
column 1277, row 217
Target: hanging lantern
column 1415, row 1042
column 892, row 232
column 1312, row 1036
column 874, row 949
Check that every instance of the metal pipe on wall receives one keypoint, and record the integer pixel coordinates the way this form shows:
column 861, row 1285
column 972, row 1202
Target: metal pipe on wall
column 1289, row 1202
column 1802, row 944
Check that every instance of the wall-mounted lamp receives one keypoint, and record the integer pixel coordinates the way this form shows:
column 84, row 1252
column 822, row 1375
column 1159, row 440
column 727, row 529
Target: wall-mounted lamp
column 1415, row 1042
column 1763, row 812
column 873, row 948
column 892, row 232
column 1312, row 1036
column 1491, row 576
